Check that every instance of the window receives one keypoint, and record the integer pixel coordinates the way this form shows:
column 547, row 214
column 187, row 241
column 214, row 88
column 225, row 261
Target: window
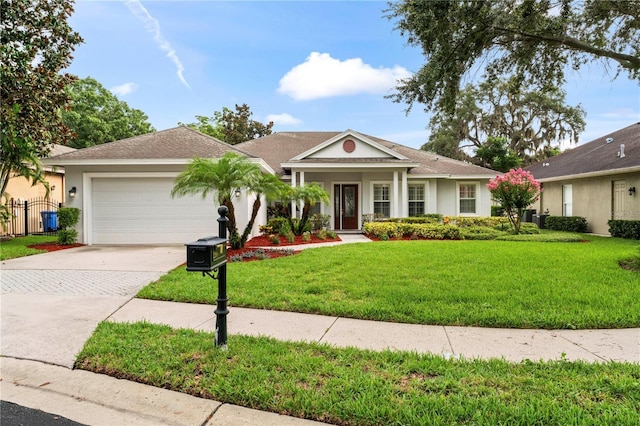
column 381, row 200
column 416, row 200
column 467, row 196
column 567, row 200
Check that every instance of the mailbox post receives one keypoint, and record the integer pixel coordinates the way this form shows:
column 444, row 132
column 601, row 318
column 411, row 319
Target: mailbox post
column 208, row 255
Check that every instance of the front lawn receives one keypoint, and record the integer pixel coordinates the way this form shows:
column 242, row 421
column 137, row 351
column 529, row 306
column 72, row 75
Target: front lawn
column 358, row 387
column 517, row 284
column 17, row 247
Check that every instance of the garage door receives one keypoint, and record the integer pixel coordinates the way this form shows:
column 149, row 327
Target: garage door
column 141, row 211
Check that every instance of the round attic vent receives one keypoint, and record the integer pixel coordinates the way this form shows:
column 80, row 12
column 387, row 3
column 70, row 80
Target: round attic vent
column 349, row 145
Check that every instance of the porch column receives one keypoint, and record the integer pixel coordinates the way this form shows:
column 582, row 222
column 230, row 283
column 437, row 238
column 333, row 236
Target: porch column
column 405, row 195
column 301, row 203
column 293, row 185
column 396, row 195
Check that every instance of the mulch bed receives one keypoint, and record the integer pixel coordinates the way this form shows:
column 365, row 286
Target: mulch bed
column 53, row 246
column 264, row 242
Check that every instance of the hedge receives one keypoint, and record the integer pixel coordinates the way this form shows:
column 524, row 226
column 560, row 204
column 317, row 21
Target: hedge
column 489, row 221
column 566, row 223
column 629, row 229
column 385, row 230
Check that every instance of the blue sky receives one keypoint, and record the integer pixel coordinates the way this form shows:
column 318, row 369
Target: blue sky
column 317, row 66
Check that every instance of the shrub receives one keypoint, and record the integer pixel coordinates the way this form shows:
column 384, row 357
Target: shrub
column 629, row 229
column 291, row 237
column 306, row 236
column 501, row 223
column 67, row 218
column 418, row 219
column 279, row 225
column 480, row 233
column 320, row 221
column 322, row 234
column 274, row 239
column 422, row 230
column 497, row 211
column 332, row 235
column 529, row 228
column 66, row 237
column 566, row 223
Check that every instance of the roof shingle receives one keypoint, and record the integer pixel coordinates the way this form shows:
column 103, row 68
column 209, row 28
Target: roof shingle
column 600, row 155
column 176, row 143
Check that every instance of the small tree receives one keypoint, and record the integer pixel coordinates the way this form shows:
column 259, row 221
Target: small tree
column 515, row 191
column 309, row 195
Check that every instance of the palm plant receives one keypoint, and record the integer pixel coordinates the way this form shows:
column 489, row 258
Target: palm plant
column 262, row 184
column 309, row 195
column 223, row 177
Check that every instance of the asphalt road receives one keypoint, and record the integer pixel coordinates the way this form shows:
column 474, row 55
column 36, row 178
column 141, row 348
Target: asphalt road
column 16, row 415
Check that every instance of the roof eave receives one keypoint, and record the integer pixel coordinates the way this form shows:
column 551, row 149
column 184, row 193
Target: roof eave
column 592, row 174
column 116, row 162
column 348, row 165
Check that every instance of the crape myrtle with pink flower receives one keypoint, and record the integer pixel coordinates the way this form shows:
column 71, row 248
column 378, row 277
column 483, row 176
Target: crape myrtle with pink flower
column 515, row 191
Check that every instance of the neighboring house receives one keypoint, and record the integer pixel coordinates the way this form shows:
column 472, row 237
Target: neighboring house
column 123, row 187
column 599, row 180
column 21, row 188
column 26, row 201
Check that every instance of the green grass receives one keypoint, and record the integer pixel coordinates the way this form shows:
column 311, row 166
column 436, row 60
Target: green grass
column 517, row 284
column 17, row 247
column 358, row 387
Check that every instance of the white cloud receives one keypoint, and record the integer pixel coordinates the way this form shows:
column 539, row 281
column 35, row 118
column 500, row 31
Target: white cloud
column 153, row 26
column 284, row 119
column 322, row 76
column 124, row 89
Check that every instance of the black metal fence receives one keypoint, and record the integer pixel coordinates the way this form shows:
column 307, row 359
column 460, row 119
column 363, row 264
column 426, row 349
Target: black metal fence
column 35, row 216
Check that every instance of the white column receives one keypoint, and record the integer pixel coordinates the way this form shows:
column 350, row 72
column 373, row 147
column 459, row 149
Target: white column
column 396, row 195
column 293, row 185
column 301, row 204
column 404, row 203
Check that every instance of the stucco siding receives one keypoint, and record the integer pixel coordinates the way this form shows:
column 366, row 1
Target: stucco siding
column 593, row 199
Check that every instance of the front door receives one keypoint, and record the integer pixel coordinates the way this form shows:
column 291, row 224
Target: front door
column 345, row 206
column 619, row 196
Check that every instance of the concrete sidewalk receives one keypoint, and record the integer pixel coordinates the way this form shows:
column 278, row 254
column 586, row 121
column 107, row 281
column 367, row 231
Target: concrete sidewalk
column 467, row 342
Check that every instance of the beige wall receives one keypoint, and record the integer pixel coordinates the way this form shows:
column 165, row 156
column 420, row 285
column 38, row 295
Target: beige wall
column 592, row 199
column 21, row 188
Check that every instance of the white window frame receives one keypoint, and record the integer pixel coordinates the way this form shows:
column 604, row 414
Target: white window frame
column 423, row 200
column 477, row 198
column 389, row 201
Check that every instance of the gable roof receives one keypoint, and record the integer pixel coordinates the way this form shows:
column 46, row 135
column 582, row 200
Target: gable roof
column 285, row 149
column 601, row 156
column 172, row 145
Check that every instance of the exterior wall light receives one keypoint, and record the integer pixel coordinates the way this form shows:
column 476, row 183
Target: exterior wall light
column 237, row 193
column 72, row 192
column 632, row 190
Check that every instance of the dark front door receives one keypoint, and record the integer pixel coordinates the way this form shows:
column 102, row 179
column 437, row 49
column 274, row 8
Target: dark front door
column 345, row 206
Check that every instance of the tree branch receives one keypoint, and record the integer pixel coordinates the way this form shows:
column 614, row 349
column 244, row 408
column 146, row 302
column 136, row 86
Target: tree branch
column 626, row 61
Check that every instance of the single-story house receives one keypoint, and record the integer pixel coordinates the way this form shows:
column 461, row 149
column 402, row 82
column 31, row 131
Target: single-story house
column 599, row 180
column 123, row 187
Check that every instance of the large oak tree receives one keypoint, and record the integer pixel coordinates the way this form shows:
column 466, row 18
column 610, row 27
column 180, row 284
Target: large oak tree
column 533, row 123
column 533, row 40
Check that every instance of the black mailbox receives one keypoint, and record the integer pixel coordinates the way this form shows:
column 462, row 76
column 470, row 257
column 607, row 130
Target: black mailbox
column 206, row 254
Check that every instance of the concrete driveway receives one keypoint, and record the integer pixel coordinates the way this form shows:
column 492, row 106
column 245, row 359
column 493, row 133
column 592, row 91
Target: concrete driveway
column 52, row 302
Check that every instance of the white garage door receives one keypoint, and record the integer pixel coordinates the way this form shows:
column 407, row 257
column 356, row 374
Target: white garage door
column 141, row 211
